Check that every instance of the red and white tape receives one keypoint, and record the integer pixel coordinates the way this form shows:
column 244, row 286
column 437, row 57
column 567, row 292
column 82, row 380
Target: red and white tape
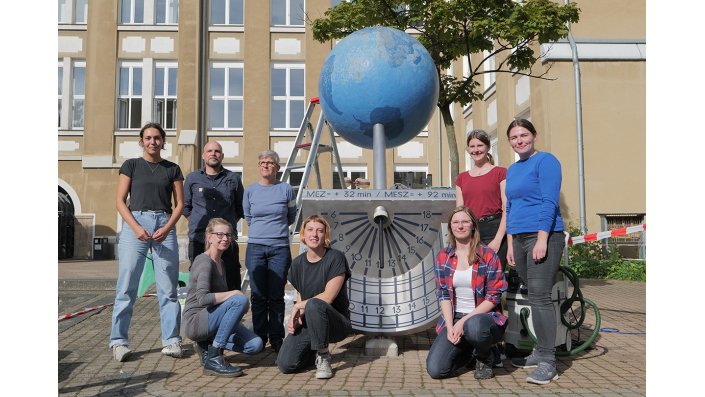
column 607, row 234
column 90, row 309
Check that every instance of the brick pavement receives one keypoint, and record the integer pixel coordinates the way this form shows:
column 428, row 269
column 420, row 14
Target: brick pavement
column 615, row 366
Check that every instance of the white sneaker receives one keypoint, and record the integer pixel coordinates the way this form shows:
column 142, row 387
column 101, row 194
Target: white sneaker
column 173, row 350
column 121, row 353
column 323, row 368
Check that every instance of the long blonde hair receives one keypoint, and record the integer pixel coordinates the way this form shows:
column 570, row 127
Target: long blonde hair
column 474, row 233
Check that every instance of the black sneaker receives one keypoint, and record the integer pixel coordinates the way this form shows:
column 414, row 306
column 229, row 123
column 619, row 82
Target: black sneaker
column 483, row 368
column 276, row 344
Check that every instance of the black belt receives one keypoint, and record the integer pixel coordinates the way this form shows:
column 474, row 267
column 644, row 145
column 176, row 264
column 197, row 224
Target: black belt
column 490, row 217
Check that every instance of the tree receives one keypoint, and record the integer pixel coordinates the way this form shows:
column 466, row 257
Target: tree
column 450, row 29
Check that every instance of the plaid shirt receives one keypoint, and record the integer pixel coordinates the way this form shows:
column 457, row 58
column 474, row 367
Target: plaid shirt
column 488, row 280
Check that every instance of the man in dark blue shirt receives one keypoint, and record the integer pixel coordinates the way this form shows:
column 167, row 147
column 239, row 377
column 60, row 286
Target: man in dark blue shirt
column 214, row 192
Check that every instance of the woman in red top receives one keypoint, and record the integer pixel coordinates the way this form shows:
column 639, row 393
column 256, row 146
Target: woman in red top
column 482, row 190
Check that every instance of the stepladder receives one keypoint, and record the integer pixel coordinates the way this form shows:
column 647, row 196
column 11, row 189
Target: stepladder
column 314, row 147
column 307, row 139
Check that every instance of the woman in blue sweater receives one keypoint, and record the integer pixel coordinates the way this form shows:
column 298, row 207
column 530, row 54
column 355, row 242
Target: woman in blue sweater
column 535, row 240
column 270, row 207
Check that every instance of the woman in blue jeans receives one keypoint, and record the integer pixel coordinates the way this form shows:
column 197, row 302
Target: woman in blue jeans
column 213, row 312
column 148, row 223
column 536, row 241
column 470, row 282
column 269, row 207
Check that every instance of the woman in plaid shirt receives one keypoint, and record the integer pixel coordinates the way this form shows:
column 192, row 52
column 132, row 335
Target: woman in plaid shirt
column 470, row 284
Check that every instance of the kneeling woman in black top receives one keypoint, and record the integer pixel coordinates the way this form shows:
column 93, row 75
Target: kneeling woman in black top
column 320, row 314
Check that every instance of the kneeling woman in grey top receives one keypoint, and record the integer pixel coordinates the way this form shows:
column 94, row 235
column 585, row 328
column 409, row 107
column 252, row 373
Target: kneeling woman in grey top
column 321, row 314
column 212, row 313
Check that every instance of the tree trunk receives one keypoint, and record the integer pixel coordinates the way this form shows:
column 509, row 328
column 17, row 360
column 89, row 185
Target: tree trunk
column 452, row 143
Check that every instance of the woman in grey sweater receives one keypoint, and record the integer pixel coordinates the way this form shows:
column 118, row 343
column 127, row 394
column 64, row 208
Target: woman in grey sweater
column 212, row 313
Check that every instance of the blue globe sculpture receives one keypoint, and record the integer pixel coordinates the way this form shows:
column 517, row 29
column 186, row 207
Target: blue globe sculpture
column 378, row 75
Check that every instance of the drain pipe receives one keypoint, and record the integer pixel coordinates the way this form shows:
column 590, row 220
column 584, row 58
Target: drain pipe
column 202, row 79
column 579, row 125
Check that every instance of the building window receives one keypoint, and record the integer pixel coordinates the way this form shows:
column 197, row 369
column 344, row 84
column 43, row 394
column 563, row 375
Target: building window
column 287, row 12
column 164, row 103
column 227, row 12
column 71, row 93
column 295, row 178
column 167, row 12
column 78, row 94
column 73, row 11
column 287, row 89
column 412, row 177
column 61, row 88
column 489, row 77
column 130, row 95
column 131, row 11
column 630, row 245
column 225, row 102
column 352, row 173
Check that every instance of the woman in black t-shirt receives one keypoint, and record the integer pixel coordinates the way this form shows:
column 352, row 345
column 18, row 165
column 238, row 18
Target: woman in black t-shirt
column 148, row 224
column 320, row 314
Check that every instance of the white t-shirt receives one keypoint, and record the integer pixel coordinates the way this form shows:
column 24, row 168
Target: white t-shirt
column 464, row 297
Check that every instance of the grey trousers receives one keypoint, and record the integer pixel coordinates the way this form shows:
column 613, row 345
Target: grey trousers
column 539, row 279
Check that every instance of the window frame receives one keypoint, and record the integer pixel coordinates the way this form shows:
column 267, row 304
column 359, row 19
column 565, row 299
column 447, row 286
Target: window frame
column 287, row 98
column 169, row 68
column 226, row 13
column 287, row 14
column 71, row 11
column 61, row 90
column 405, row 168
column 226, row 97
column 133, row 9
column 73, row 96
column 167, row 19
column 489, row 79
column 130, row 96
column 348, row 170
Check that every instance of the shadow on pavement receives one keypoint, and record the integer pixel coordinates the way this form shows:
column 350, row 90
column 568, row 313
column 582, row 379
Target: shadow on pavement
column 122, row 385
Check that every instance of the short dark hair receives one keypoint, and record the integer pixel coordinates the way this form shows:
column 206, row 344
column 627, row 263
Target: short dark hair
column 156, row 126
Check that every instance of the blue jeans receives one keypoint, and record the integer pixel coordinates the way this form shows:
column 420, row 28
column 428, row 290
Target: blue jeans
column 322, row 325
column 227, row 332
column 132, row 254
column 480, row 332
column 539, row 279
column 267, row 268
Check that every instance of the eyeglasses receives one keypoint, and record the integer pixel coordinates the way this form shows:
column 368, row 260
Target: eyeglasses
column 458, row 223
column 267, row 163
column 222, row 235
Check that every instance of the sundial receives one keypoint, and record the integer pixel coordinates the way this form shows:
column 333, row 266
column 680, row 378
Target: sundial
column 391, row 239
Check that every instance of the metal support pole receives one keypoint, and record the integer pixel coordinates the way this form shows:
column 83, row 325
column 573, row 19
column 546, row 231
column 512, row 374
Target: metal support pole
column 378, row 157
column 579, row 125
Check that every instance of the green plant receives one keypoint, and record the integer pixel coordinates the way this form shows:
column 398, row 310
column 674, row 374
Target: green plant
column 593, row 260
column 628, row 270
